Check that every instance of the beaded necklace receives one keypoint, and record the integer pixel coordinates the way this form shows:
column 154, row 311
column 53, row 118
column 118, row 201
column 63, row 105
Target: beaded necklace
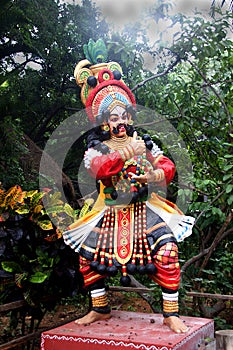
column 118, row 142
column 123, row 185
column 123, row 177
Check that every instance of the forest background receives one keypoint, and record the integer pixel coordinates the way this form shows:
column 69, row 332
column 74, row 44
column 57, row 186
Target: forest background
column 180, row 67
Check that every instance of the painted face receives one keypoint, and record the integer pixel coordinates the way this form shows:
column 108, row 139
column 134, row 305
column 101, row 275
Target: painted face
column 117, row 121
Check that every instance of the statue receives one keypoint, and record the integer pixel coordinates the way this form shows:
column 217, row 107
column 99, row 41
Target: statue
column 124, row 231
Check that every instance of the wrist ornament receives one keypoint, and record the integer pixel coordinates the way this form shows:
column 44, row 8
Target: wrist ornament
column 158, row 175
column 126, row 153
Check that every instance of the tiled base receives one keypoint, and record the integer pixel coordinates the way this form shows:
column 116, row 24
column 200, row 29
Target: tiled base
column 128, row 330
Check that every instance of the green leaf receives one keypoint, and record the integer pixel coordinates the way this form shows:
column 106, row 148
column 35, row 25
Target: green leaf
column 35, row 199
column 22, row 210
column 230, row 200
column 55, row 199
column 69, row 210
column 228, row 167
column 11, row 266
column 45, row 224
column 229, row 188
column 54, row 209
column 227, row 177
column 38, row 277
column 20, row 278
column 30, row 194
column 210, row 272
column 5, row 84
column 217, row 211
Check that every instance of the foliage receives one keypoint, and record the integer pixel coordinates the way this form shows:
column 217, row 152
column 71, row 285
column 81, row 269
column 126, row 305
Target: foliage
column 199, row 93
column 41, row 42
column 32, row 251
column 29, row 203
column 13, row 150
column 207, row 52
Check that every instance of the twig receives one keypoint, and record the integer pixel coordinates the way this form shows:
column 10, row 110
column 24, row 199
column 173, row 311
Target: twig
column 210, row 295
column 157, row 75
column 12, row 306
column 216, row 94
column 214, row 200
column 193, row 260
column 148, row 298
column 189, row 294
column 217, row 239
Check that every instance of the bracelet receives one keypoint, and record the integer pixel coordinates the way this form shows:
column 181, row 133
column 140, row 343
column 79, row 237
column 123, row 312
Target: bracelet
column 159, row 175
column 126, row 153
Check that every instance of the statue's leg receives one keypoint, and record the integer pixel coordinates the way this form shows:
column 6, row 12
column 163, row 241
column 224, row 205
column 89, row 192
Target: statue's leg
column 168, row 277
column 94, row 284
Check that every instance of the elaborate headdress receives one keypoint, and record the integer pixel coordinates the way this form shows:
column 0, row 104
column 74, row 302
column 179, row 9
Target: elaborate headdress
column 102, row 87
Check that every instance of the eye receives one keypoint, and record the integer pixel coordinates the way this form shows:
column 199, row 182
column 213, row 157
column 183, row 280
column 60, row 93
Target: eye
column 114, row 119
column 124, row 116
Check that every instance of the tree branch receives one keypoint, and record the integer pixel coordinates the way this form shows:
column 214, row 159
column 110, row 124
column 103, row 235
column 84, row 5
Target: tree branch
column 199, row 149
column 193, row 260
column 214, row 200
column 146, row 296
column 9, row 49
column 226, row 233
column 208, row 251
column 216, row 94
column 216, row 241
column 156, row 75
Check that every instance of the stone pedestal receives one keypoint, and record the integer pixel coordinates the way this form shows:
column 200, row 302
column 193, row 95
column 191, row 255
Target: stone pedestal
column 128, row 331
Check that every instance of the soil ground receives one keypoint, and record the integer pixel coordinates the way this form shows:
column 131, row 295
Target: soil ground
column 118, row 301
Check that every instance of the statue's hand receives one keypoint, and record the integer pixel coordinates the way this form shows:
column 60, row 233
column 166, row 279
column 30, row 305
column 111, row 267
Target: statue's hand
column 138, row 146
column 150, row 176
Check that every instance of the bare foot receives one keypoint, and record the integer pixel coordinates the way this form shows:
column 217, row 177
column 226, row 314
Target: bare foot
column 175, row 324
column 91, row 317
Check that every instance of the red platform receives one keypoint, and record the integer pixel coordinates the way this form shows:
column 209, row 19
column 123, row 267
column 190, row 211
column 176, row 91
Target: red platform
column 128, row 330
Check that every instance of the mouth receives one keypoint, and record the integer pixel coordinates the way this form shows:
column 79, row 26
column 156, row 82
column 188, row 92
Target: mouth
column 121, row 128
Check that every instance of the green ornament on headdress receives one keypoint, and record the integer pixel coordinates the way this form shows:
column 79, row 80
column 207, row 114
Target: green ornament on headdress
column 95, row 52
column 95, row 69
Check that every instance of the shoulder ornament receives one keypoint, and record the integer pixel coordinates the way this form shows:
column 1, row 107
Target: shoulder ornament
column 156, row 151
column 90, row 154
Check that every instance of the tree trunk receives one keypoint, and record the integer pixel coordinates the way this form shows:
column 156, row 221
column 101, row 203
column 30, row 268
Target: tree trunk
column 224, row 339
column 31, row 167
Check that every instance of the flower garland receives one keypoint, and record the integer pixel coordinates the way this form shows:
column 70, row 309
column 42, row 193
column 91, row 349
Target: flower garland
column 126, row 190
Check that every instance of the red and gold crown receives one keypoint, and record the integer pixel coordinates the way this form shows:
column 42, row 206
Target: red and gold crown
column 102, row 87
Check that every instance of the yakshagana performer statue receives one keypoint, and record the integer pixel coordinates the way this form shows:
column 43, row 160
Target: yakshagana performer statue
column 127, row 229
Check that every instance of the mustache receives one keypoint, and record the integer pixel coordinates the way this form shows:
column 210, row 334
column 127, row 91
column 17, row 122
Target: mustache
column 115, row 130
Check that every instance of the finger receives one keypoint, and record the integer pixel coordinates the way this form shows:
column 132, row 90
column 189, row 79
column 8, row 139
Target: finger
column 135, row 135
column 132, row 175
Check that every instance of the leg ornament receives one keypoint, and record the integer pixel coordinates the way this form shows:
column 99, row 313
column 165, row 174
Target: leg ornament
column 170, row 304
column 99, row 301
